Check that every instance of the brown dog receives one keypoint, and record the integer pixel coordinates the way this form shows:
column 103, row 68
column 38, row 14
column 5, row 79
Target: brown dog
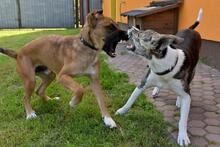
column 66, row 57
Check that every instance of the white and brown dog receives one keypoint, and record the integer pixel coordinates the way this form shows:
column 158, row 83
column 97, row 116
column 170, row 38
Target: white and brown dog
column 172, row 60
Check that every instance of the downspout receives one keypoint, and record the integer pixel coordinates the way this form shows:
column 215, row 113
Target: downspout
column 122, row 2
column 113, row 9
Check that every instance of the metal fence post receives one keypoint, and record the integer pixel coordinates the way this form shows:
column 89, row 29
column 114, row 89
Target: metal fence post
column 19, row 13
column 77, row 13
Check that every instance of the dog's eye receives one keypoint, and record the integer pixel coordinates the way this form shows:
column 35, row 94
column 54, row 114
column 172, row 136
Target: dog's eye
column 111, row 27
column 147, row 39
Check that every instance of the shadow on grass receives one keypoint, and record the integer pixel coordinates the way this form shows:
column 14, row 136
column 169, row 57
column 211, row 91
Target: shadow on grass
column 58, row 124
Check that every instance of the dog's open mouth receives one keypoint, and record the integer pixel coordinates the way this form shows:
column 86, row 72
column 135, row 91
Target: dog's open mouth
column 110, row 48
column 112, row 41
column 131, row 47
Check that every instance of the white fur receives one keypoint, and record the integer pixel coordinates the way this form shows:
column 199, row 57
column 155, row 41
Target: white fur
column 199, row 15
column 72, row 103
column 178, row 102
column 57, row 98
column 155, row 92
column 133, row 27
column 31, row 115
column 159, row 65
column 183, row 138
column 181, row 58
column 109, row 122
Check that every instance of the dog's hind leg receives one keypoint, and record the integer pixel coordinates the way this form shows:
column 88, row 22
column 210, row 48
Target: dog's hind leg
column 26, row 71
column 46, row 78
column 146, row 83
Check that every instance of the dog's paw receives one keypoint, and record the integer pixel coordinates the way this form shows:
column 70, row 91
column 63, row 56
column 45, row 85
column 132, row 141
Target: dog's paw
column 183, row 139
column 155, row 92
column 72, row 104
column 109, row 122
column 56, row 98
column 121, row 111
column 178, row 102
column 31, row 115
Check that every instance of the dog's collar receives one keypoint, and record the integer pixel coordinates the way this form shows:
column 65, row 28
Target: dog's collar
column 87, row 44
column 168, row 70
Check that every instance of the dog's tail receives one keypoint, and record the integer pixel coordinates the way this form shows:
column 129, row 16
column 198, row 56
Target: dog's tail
column 197, row 20
column 9, row 53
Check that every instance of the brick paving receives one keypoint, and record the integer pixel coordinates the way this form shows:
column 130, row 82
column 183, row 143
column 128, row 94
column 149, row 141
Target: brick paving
column 204, row 117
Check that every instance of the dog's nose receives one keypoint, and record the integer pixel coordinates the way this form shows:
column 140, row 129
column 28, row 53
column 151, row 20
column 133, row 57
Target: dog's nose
column 132, row 29
column 129, row 32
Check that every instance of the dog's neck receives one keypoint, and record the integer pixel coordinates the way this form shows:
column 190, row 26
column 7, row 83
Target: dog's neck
column 166, row 64
column 86, row 43
column 85, row 38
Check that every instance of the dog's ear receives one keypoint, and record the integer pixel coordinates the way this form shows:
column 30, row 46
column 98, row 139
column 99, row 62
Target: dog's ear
column 99, row 11
column 166, row 40
column 92, row 18
column 162, row 43
column 175, row 39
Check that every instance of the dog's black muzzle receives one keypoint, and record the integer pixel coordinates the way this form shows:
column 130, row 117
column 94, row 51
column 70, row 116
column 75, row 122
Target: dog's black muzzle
column 112, row 40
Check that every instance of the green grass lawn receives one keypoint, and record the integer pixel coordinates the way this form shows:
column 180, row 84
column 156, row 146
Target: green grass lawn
column 59, row 125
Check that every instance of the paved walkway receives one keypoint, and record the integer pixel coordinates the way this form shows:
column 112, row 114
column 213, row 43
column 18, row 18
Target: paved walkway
column 204, row 118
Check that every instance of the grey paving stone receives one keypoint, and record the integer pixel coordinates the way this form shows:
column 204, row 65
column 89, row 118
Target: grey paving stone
column 196, row 110
column 214, row 145
column 196, row 123
column 199, row 141
column 211, row 114
column 197, row 131
column 210, row 107
column 196, row 116
column 209, row 102
column 213, row 129
column 212, row 122
column 213, row 138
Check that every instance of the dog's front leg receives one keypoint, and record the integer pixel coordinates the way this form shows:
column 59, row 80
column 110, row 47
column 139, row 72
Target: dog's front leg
column 183, row 138
column 96, row 87
column 130, row 101
column 178, row 102
column 146, row 82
